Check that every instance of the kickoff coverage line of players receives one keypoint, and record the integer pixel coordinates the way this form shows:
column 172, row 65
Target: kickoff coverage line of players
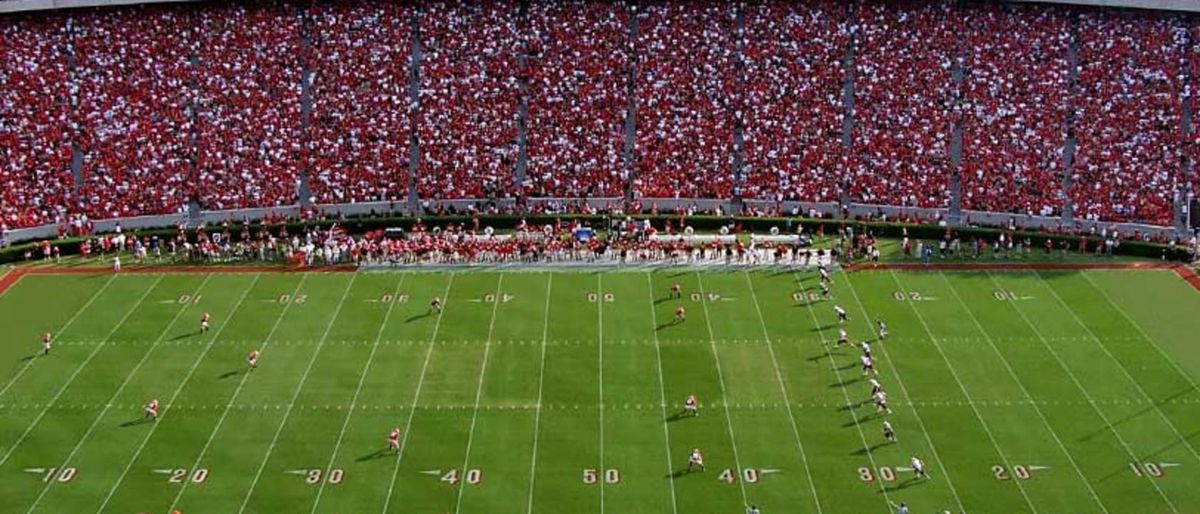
column 690, row 405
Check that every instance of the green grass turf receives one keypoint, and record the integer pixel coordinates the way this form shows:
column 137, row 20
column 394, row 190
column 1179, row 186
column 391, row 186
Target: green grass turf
column 1076, row 378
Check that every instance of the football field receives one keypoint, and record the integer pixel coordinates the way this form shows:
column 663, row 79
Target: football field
column 561, row 392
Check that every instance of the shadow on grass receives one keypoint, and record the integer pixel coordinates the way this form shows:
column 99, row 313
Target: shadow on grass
column 1140, row 412
column 185, row 335
column 228, row 374
column 417, row 317
column 906, row 484
column 136, row 422
column 377, row 454
column 665, row 325
column 868, row 450
column 678, row 416
column 845, row 383
column 28, row 358
column 679, row 474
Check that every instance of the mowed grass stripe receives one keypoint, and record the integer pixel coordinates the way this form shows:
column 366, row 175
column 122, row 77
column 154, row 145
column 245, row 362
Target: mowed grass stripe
column 937, row 494
column 502, row 448
column 23, row 316
column 692, row 369
column 1097, row 454
column 821, row 400
column 120, row 432
column 161, row 331
column 236, row 447
column 959, row 448
column 635, row 473
column 750, row 378
column 1019, row 439
column 181, row 440
column 437, row 438
column 1162, row 307
column 304, row 438
column 393, row 379
column 1140, row 436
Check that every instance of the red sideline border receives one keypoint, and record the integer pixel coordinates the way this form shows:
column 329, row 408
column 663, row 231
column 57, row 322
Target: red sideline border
column 1186, row 273
column 14, row 275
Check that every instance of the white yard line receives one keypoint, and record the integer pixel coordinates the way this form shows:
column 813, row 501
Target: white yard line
column 179, row 389
column 537, row 415
column 60, row 331
column 783, row 390
column 296, row 394
column 1124, row 371
column 108, row 405
column 358, row 390
column 462, row 485
column 837, row 374
column 904, row 390
column 81, row 367
column 236, row 391
column 662, row 392
column 1107, row 423
column 417, row 394
column 737, row 461
column 962, row 387
column 1029, row 397
column 600, row 372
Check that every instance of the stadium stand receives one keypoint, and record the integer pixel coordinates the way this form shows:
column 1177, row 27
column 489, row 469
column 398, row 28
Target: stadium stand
column 686, row 93
column 793, row 57
column 249, row 131
column 358, row 137
column 578, row 97
column 144, row 110
column 903, row 95
column 36, row 99
column 467, row 123
column 1015, row 94
column 1129, row 108
column 135, row 83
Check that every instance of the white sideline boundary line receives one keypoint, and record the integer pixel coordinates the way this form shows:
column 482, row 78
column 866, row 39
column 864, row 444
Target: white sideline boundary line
column 128, row 378
column 904, row 390
column 783, row 390
column 1012, row 373
column 437, row 324
column 1103, row 417
column 837, row 375
column 78, row 370
column 737, row 461
column 358, row 389
column 962, row 387
column 70, row 321
column 287, row 414
column 537, row 415
column 179, row 389
column 1124, row 371
column 236, row 391
column 662, row 391
column 462, row 484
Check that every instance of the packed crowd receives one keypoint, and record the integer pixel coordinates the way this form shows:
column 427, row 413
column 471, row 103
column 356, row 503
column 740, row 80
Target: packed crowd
column 794, row 56
column 578, row 97
column 37, row 97
column 687, row 97
column 361, row 120
column 1015, row 102
column 135, row 78
column 903, row 102
column 467, row 123
column 163, row 106
column 1129, row 108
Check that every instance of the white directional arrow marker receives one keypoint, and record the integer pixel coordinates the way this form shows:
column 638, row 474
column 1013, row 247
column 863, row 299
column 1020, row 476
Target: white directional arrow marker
column 35, row 470
column 1038, row 468
column 770, row 471
column 1169, row 464
column 297, row 471
column 162, row 471
column 434, row 472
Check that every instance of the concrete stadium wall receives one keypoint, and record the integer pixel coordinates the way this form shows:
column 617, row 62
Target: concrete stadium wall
column 664, row 205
